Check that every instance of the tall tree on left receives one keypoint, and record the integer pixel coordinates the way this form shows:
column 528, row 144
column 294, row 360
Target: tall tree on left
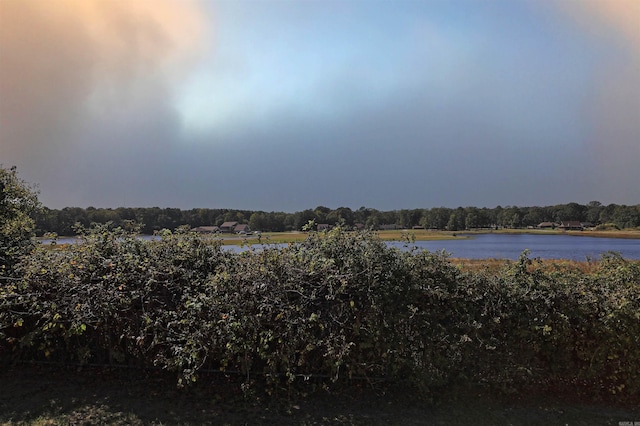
column 18, row 203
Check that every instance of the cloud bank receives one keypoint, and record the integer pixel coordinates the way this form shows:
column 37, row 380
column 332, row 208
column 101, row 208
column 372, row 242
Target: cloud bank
column 290, row 105
column 82, row 79
column 614, row 108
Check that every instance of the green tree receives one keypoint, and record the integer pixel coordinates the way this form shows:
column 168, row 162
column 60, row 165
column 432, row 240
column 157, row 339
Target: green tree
column 340, row 215
column 571, row 211
column 436, row 218
column 593, row 211
column 321, row 213
column 300, row 219
column 533, row 217
column 456, row 221
column 258, row 221
column 472, row 218
column 18, row 204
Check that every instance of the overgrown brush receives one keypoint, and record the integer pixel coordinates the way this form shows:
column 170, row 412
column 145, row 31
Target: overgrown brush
column 338, row 306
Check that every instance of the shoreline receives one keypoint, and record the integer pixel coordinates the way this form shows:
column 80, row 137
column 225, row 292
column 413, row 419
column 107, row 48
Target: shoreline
column 401, row 235
column 622, row 234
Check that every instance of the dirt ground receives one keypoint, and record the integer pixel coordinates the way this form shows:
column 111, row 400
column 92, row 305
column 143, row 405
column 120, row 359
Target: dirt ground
column 49, row 395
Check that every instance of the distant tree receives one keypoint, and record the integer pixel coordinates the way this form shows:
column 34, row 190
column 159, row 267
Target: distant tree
column 300, row 219
column 472, row 218
column 571, row 211
column 626, row 216
column 388, row 218
column 452, row 224
column 258, row 221
column 321, row 213
column 486, row 218
column 372, row 222
column 340, row 215
column 289, row 221
column 456, row 220
column 18, row 203
column 152, row 219
column 510, row 217
column 404, row 218
column 361, row 215
column 496, row 216
column 606, row 214
column 533, row 217
column 593, row 211
column 436, row 218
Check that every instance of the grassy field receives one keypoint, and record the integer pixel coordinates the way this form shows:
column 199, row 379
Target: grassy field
column 424, row 235
column 292, row 237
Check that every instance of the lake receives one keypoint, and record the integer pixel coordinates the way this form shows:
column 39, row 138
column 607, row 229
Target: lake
column 510, row 246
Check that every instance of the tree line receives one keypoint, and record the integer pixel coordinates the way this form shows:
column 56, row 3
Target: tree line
column 63, row 221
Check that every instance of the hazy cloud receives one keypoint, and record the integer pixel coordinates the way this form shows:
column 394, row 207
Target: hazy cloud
column 289, row 105
column 614, row 110
column 72, row 71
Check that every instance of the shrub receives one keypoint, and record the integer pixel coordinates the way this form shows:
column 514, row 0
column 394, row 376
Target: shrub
column 18, row 201
column 338, row 305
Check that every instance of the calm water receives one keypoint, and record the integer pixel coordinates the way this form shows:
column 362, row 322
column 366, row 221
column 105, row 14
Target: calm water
column 506, row 246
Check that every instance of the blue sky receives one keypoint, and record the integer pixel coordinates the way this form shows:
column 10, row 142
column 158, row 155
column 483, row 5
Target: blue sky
column 287, row 105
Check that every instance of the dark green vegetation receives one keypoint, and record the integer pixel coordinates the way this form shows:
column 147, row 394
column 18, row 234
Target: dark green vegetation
column 18, row 203
column 336, row 308
column 612, row 216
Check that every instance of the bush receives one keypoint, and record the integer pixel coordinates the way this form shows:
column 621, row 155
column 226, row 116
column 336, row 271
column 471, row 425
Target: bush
column 18, row 202
column 339, row 306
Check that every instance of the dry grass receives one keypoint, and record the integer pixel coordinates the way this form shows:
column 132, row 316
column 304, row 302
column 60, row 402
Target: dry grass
column 292, row 237
column 547, row 265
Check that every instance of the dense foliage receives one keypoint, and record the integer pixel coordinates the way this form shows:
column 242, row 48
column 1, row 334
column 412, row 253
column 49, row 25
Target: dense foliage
column 62, row 221
column 18, row 203
column 336, row 307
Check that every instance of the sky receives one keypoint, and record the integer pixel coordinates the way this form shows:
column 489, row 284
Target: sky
column 284, row 105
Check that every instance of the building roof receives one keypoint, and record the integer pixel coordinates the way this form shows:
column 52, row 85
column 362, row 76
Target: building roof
column 546, row 225
column 229, row 225
column 570, row 224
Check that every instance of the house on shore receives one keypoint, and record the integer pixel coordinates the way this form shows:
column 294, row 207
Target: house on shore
column 241, row 228
column 571, row 225
column 228, row 227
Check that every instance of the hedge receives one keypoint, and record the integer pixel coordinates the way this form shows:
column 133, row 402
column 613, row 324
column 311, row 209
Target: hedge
column 339, row 306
